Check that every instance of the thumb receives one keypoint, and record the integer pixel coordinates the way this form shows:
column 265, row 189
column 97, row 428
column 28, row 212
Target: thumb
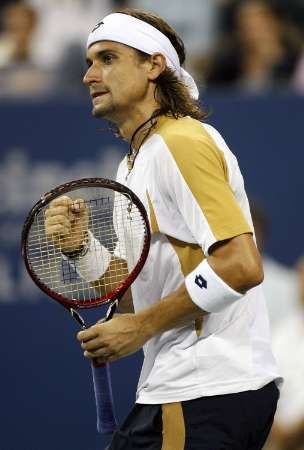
column 78, row 206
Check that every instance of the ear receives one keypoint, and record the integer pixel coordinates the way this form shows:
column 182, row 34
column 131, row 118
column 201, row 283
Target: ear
column 157, row 66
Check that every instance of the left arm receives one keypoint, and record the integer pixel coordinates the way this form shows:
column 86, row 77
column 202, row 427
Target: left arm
column 236, row 261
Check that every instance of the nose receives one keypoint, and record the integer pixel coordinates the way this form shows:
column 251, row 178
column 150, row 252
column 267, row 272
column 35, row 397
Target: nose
column 92, row 75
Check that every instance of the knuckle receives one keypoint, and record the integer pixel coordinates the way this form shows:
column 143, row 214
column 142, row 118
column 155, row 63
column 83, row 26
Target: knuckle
column 79, row 204
column 63, row 200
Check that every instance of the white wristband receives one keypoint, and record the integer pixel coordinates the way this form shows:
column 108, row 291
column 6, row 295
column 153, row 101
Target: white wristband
column 208, row 291
column 94, row 263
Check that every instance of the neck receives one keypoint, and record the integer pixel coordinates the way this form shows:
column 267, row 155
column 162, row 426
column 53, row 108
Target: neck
column 130, row 124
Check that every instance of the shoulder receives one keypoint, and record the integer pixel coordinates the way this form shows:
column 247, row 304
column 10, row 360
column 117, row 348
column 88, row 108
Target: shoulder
column 188, row 140
column 183, row 128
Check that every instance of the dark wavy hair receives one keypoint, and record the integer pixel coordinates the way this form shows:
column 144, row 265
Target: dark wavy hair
column 171, row 93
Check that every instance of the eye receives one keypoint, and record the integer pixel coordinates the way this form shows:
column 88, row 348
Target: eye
column 107, row 58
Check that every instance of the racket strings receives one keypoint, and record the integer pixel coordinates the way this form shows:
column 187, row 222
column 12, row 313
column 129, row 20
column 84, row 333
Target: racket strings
column 114, row 222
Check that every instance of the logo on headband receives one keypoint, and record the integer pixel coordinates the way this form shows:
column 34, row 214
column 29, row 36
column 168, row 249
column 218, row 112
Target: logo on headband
column 97, row 26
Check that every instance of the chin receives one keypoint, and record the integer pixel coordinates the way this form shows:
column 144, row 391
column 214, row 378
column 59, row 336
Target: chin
column 101, row 112
column 96, row 112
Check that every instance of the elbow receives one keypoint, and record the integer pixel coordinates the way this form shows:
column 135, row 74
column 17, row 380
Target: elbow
column 251, row 275
column 238, row 262
column 255, row 277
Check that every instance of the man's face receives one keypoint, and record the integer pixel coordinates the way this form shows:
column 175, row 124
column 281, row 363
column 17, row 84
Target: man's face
column 116, row 78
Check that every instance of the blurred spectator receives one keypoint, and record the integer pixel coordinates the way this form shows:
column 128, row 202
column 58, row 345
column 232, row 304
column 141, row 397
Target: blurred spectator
column 288, row 428
column 3, row 5
column 19, row 22
column 64, row 24
column 195, row 21
column 298, row 79
column 60, row 38
column 292, row 11
column 18, row 73
column 261, row 52
column 280, row 282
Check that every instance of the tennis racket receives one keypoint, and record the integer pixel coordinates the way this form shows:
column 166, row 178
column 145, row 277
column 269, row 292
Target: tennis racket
column 109, row 226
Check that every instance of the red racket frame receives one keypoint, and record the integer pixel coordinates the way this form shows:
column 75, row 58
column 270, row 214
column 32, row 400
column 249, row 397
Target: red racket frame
column 118, row 292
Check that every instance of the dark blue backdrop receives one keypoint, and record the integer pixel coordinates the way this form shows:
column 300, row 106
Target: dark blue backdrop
column 46, row 392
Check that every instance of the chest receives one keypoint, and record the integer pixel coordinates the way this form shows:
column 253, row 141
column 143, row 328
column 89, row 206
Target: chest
column 152, row 179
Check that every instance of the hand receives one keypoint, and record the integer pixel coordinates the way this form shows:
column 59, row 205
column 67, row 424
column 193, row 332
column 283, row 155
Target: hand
column 114, row 339
column 66, row 223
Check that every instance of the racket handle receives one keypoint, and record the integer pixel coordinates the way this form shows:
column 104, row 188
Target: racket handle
column 106, row 421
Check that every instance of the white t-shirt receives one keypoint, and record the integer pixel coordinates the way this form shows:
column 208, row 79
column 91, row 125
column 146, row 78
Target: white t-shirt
column 192, row 187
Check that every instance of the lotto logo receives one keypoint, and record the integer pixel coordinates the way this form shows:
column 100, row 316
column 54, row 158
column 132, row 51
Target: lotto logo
column 201, row 282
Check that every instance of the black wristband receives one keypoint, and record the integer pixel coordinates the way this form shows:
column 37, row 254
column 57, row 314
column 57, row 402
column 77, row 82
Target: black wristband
column 81, row 251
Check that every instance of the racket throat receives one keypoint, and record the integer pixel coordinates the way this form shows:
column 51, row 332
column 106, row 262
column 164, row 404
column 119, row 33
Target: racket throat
column 110, row 313
column 111, row 310
column 78, row 318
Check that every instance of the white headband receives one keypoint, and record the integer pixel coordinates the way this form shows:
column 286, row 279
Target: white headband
column 138, row 34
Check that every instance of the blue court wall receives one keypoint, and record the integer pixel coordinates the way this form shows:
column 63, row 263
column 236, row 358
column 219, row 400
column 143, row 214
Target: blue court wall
column 45, row 390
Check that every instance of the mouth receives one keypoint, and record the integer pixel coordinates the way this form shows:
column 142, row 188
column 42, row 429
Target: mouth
column 97, row 94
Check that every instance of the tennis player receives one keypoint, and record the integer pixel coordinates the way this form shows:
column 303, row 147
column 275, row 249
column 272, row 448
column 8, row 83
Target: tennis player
column 209, row 380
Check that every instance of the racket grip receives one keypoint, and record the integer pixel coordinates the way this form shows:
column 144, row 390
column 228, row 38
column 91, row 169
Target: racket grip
column 106, row 421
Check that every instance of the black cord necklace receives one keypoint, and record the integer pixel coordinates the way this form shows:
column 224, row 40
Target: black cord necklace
column 132, row 153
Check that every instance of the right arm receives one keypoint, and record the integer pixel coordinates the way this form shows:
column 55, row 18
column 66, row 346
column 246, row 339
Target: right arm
column 66, row 224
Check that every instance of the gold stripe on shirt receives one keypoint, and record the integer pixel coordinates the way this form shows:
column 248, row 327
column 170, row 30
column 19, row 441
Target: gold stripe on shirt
column 198, row 323
column 153, row 220
column 189, row 255
column 173, row 427
column 203, row 167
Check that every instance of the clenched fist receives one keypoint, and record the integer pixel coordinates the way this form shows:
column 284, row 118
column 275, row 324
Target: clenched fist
column 66, row 223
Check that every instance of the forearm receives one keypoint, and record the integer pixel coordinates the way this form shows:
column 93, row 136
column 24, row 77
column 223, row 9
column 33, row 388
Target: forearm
column 175, row 310
column 125, row 305
column 230, row 277
column 98, row 266
column 115, row 273
column 205, row 290
column 113, row 276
